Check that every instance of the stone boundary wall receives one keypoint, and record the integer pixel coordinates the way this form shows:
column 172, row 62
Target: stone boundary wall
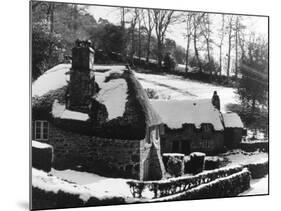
column 108, row 157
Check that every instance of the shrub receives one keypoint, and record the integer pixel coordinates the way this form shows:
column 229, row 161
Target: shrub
column 254, row 146
column 212, row 162
column 151, row 93
column 42, row 156
column 169, row 62
column 175, row 166
column 258, row 170
column 46, row 47
column 197, row 162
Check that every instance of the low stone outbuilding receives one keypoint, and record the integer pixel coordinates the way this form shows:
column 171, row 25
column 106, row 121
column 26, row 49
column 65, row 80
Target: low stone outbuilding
column 233, row 130
column 197, row 126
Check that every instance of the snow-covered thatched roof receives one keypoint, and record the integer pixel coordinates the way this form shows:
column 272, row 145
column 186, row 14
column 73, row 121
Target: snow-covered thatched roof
column 232, row 120
column 119, row 93
column 175, row 113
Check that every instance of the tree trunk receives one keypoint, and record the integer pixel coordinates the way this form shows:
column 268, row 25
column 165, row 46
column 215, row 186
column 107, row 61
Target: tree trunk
column 123, row 50
column 148, row 48
column 220, row 59
column 228, row 58
column 209, row 56
column 159, row 54
column 187, row 54
column 196, row 51
column 139, row 43
column 229, row 48
column 51, row 22
column 236, row 50
column 133, row 46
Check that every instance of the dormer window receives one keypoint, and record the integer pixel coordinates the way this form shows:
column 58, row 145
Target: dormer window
column 40, row 130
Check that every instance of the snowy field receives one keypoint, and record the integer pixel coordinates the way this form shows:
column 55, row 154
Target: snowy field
column 176, row 87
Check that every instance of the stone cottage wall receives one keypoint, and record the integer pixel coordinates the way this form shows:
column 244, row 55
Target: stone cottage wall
column 108, row 157
column 194, row 139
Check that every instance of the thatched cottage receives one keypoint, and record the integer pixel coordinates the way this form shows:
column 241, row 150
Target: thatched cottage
column 98, row 119
column 197, row 125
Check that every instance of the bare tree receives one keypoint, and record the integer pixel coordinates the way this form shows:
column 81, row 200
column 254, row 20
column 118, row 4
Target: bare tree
column 139, row 29
column 221, row 35
column 188, row 35
column 147, row 17
column 206, row 32
column 135, row 14
column 239, row 42
column 197, row 20
column 162, row 19
column 230, row 26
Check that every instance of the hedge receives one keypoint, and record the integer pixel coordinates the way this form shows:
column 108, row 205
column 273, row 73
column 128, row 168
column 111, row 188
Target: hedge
column 254, row 146
column 224, row 187
column 180, row 184
column 174, row 163
column 42, row 157
column 258, row 170
column 197, row 162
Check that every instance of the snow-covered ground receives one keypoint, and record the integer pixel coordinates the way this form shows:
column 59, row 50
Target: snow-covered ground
column 258, row 186
column 176, row 87
column 239, row 157
column 96, row 184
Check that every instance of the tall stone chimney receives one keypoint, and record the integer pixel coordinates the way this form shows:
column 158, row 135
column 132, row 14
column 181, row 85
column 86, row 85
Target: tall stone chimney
column 82, row 77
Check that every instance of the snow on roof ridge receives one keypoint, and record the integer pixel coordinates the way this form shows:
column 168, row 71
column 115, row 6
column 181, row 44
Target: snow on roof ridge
column 232, row 120
column 175, row 113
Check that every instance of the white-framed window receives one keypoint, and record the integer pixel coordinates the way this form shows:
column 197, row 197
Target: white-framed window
column 40, row 130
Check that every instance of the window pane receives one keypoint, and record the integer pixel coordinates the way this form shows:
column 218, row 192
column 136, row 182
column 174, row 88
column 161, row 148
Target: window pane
column 33, row 130
column 38, row 133
column 45, row 124
column 45, row 135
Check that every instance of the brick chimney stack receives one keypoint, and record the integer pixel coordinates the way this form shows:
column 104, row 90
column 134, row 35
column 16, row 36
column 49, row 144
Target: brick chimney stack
column 82, row 77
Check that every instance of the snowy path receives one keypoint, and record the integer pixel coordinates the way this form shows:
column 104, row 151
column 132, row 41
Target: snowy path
column 176, row 87
column 98, row 185
column 258, row 186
